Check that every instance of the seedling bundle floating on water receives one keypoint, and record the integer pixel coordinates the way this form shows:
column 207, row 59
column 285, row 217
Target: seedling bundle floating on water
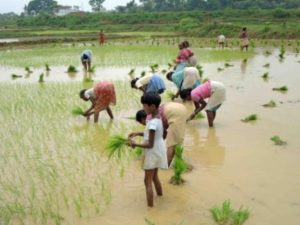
column 270, row 104
column 14, row 76
column 179, row 166
column 77, row 111
column 116, row 146
column 249, row 118
column 282, row 88
column 277, row 140
column 72, row 69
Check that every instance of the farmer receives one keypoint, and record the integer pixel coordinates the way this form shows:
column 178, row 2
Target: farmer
column 221, row 41
column 192, row 60
column 154, row 146
column 187, row 78
column 244, row 39
column 173, row 116
column 214, row 91
column 151, row 83
column 86, row 59
column 102, row 95
column 101, row 38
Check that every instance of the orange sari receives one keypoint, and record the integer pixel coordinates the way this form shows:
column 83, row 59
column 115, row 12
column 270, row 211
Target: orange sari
column 105, row 95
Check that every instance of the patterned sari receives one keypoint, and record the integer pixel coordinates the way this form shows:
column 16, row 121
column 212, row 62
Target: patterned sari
column 105, row 95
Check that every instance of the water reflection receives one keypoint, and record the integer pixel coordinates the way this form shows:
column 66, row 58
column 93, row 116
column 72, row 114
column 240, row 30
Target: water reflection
column 243, row 66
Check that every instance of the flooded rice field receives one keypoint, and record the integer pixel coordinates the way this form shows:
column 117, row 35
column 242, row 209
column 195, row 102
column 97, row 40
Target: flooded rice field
column 54, row 168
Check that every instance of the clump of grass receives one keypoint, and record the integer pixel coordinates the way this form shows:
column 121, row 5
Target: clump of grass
column 200, row 70
column 92, row 69
column 270, row 104
column 72, row 69
column 143, row 73
column 116, row 146
column 154, row 67
column 249, row 118
column 282, row 88
column 77, row 111
column 47, row 67
column 267, row 65
column 225, row 215
column 41, row 78
column 15, row 76
column 228, row 65
column 277, row 140
column 199, row 116
column 28, row 70
column 265, row 76
column 179, row 166
column 170, row 94
column 220, row 69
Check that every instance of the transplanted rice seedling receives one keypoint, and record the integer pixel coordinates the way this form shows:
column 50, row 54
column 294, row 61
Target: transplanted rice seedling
column 267, row 53
column 41, row 78
column 265, row 76
column 116, row 146
column 228, row 65
column 77, row 111
column 282, row 52
column 282, row 88
column 249, row 118
column 164, row 71
column 154, row 67
column 267, row 65
column 72, row 69
column 179, row 166
column 199, row 116
column 170, row 94
column 143, row 73
column 239, row 217
column 220, row 69
column 270, row 104
column 222, row 214
column 277, row 140
column 28, row 70
column 131, row 73
column 148, row 222
column 200, row 70
column 15, row 76
column 47, row 67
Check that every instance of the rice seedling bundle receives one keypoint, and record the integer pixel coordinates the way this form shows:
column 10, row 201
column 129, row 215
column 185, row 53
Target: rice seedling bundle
column 77, row 110
column 265, row 76
column 154, row 67
column 47, row 67
column 282, row 88
column 41, row 78
column 249, row 118
column 116, row 146
column 277, row 140
column 199, row 116
column 245, row 60
column 200, row 70
column 92, row 69
column 239, row 217
column 28, row 70
column 14, row 76
column 267, row 53
column 270, row 104
column 228, row 65
column 72, row 69
column 179, row 166
column 170, row 94
column 131, row 73
column 267, row 65
column 143, row 73
column 220, row 69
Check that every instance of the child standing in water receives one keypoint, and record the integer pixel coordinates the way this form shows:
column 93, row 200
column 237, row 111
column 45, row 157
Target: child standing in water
column 154, row 147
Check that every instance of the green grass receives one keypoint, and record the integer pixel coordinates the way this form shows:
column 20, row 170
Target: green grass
column 270, row 104
column 249, row 118
column 282, row 89
column 77, row 110
column 116, row 146
column 277, row 140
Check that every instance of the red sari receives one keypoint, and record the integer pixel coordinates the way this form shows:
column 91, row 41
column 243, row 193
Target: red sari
column 105, row 95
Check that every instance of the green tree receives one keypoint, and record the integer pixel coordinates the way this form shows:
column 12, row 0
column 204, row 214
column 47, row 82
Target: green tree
column 96, row 5
column 39, row 6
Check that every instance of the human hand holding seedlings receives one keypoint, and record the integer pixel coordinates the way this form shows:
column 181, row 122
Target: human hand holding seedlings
column 135, row 134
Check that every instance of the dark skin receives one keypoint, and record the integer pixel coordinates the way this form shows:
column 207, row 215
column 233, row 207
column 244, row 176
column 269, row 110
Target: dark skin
column 199, row 106
column 86, row 65
column 151, row 175
column 91, row 110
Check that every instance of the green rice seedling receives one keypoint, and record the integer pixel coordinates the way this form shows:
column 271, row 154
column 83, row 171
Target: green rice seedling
column 148, row 222
column 282, row 88
column 47, row 67
column 154, row 67
column 249, row 118
column 199, row 116
column 170, row 65
column 143, row 73
column 228, row 65
column 282, row 52
column 92, row 69
column 179, row 166
column 270, row 104
column 220, row 69
column 116, row 146
column 265, row 76
column 77, row 110
column 277, row 140
column 138, row 151
column 164, row 71
column 245, row 60
column 88, row 80
column 28, row 70
column 267, row 65
column 239, row 217
column 200, row 70
column 15, row 76
column 222, row 214
column 131, row 73
column 41, row 78
column 170, row 94
column 72, row 69
column 267, row 53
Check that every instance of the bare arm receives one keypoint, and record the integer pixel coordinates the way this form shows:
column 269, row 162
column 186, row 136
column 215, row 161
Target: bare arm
column 146, row 144
column 89, row 111
column 198, row 107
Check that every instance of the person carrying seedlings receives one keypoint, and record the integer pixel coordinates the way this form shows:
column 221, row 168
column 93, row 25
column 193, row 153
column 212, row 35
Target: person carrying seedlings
column 187, row 78
column 214, row 91
column 154, row 147
column 173, row 116
column 86, row 59
column 244, row 39
column 151, row 83
column 102, row 95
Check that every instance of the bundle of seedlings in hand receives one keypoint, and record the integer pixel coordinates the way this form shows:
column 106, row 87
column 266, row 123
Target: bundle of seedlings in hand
column 131, row 73
column 200, row 70
column 14, row 76
column 265, row 76
column 179, row 166
column 92, row 69
column 154, row 67
column 282, row 88
column 47, row 67
column 116, row 146
column 170, row 94
column 277, row 140
column 137, row 151
column 267, row 65
column 199, row 116
column 143, row 73
column 28, row 70
column 270, row 104
column 41, row 78
column 252, row 117
column 72, row 69
column 77, row 111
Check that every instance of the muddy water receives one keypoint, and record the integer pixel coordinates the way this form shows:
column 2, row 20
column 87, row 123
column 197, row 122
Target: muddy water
column 233, row 160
